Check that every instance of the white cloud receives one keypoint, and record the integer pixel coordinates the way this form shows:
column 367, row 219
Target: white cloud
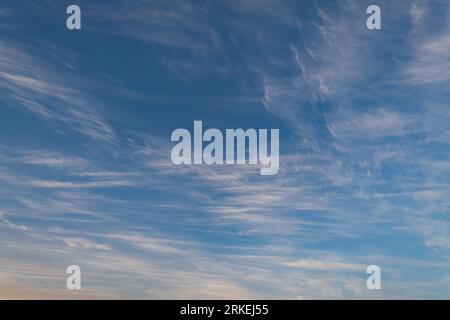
column 45, row 91
column 325, row 265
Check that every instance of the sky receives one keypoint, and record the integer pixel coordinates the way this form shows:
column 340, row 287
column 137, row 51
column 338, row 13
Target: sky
column 85, row 171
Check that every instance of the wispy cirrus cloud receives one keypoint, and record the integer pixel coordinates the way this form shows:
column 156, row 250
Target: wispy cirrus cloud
column 363, row 168
column 44, row 90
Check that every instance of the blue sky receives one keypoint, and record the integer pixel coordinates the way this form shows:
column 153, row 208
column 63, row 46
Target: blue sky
column 85, row 171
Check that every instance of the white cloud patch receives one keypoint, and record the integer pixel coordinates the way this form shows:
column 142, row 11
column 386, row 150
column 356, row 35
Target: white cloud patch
column 31, row 83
